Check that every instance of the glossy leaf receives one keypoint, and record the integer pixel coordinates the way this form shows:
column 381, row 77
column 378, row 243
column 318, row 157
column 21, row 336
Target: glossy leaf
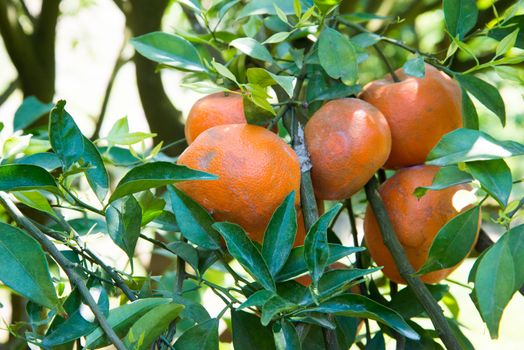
column 296, row 265
column 169, row 49
column 507, row 43
column 406, row 304
column 96, row 173
column 274, row 306
column 248, row 333
column 355, row 305
column 470, row 118
column 466, row 145
column 264, row 78
column 460, row 15
column 495, row 178
column 377, row 342
column 121, row 318
column 316, row 251
column 29, row 112
column 157, row 174
column 65, row 136
column 203, row 336
column 46, row 160
column 166, row 221
column 280, row 235
column 258, row 298
column 151, row 325
column 243, row 249
column 487, row 94
column 23, row 267
column 194, row 221
column 365, row 40
column 453, row 241
column 23, row 177
column 252, row 48
column 510, row 25
column 337, row 280
column 185, row 251
column 286, row 337
column 337, row 56
column 337, row 91
column 35, row 200
column 446, row 177
column 152, row 206
column 415, row 67
column 124, row 218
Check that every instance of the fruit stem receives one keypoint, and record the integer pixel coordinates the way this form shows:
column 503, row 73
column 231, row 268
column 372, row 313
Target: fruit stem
column 406, row 269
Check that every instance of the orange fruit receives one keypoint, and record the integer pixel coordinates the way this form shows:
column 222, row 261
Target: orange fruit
column 416, row 221
column 256, row 170
column 419, row 112
column 348, row 141
column 216, row 109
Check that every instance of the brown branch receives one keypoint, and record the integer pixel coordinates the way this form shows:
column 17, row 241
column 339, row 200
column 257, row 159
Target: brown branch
column 9, row 90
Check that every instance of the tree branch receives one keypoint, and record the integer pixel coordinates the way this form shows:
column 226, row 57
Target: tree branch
column 65, row 264
column 406, row 269
column 8, row 91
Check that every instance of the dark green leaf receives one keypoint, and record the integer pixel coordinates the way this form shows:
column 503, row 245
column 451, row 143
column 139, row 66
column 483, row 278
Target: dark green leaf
column 495, row 178
column 355, row 305
column 286, row 337
column 466, row 145
column 194, row 221
column 96, row 173
column 157, row 174
column 460, row 15
column 23, row 267
column 248, row 333
column 463, row 341
column 88, row 225
column 365, row 40
column 280, row 234
column 48, row 161
column 337, row 91
column 487, row 94
column 149, row 327
column 203, row 336
column 166, row 221
column 515, row 238
column 446, row 177
column 317, row 319
column 470, row 118
column 509, row 26
column 169, row 49
column 406, row 304
column 267, row 7
column 252, row 48
column 258, row 298
column 453, row 241
column 243, row 249
column 337, row 280
column 29, row 112
column 23, row 177
column 296, row 265
column 185, row 251
column 275, row 305
column 415, row 67
column 316, row 251
column 337, row 56
column 377, row 342
column 192, row 310
column 65, row 136
column 124, row 218
column 346, row 330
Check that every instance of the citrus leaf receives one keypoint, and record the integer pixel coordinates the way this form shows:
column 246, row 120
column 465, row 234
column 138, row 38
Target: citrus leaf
column 258, row 298
column 29, row 112
column 46, row 160
column 406, row 304
column 470, row 118
column 203, row 336
column 124, row 219
column 35, row 200
column 286, row 337
column 264, row 78
column 460, row 15
column 446, row 176
column 337, row 56
column 495, row 178
column 252, row 48
column 274, row 306
column 335, row 280
column 23, row 177
column 415, row 67
column 248, row 333
column 96, row 173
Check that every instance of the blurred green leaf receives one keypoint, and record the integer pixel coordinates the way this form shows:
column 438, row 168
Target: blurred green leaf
column 169, row 49
column 252, row 48
column 285, row 335
column 153, row 175
column 248, row 333
column 29, row 112
column 337, row 56
column 23, row 177
column 124, row 219
column 446, row 176
column 265, row 7
column 203, row 336
column 495, row 178
column 280, row 234
column 507, row 43
column 460, row 15
column 65, row 136
column 415, row 67
column 365, row 40
column 510, row 25
column 23, row 267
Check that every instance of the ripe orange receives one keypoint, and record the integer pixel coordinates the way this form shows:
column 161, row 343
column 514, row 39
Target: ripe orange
column 415, row 221
column 348, row 141
column 256, row 171
column 212, row 110
column 419, row 112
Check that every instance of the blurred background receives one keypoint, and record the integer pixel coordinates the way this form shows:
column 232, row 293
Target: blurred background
column 78, row 50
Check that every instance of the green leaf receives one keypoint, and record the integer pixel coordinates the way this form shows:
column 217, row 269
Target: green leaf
column 243, row 249
column 252, row 48
column 120, row 135
column 258, row 298
column 275, row 305
column 460, row 15
column 151, row 325
column 286, row 337
column 166, row 221
column 152, row 206
column 487, row 94
column 248, row 333
column 96, row 173
column 266, row 7
column 515, row 238
column 446, row 176
column 466, row 145
column 509, row 26
column 280, row 234
column 195, row 223
column 495, row 178
column 224, row 71
column 377, row 342
column 65, row 136
column 355, row 305
column 23, row 177
column 169, row 49
column 185, row 251
column 337, row 56
column 507, row 43
column 326, row 5
column 23, row 267
column 203, row 336
column 76, row 325
column 29, row 112
column 35, row 200
column 296, row 265
column 494, row 284
column 365, row 40
column 336, row 92
column 406, row 304
column 316, row 251
column 121, row 318
column 470, row 118
column 337, row 280
column 262, row 77
column 48, row 161
column 153, row 175
column 453, row 241
column 415, row 67
column 277, row 38
column 124, row 219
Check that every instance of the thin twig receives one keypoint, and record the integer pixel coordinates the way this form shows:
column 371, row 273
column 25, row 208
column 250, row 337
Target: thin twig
column 9, row 90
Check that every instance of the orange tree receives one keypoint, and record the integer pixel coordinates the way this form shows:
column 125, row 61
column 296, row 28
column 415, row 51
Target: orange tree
column 240, row 200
